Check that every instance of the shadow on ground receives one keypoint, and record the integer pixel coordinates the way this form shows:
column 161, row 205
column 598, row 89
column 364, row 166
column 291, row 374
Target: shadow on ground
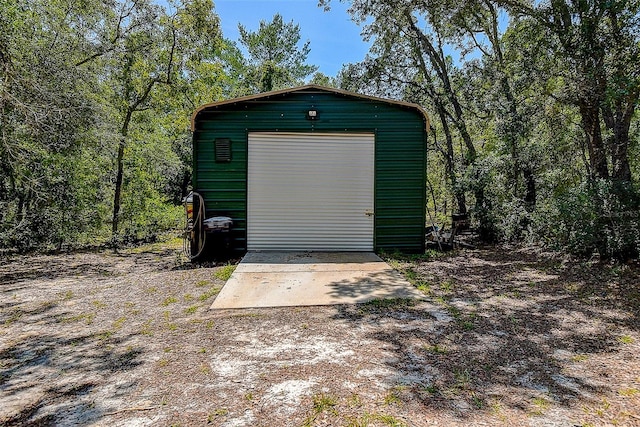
column 502, row 337
column 57, row 372
column 517, row 334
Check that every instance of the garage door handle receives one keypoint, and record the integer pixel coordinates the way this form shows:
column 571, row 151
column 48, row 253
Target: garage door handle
column 369, row 213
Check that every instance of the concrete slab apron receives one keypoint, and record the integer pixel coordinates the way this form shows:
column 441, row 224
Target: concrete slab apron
column 279, row 279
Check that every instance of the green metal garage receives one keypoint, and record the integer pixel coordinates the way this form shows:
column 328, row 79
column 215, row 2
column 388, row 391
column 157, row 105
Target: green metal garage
column 314, row 169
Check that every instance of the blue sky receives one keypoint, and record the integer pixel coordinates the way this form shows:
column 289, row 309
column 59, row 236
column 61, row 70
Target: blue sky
column 335, row 38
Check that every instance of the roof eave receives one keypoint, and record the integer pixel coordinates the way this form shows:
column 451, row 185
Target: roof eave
column 306, row 87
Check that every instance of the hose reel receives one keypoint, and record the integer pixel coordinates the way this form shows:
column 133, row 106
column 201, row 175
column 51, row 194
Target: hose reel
column 195, row 235
column 197, row 227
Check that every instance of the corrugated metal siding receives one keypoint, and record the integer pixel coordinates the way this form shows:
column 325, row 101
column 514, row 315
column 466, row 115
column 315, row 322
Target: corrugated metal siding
column 310, row 191
column 400, row 158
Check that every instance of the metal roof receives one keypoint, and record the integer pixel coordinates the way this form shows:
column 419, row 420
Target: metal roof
column 305, row 88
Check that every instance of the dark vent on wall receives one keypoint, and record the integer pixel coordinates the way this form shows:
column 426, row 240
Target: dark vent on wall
column 223, row 150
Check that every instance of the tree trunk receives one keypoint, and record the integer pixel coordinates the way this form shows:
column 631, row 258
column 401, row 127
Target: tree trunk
column 449, row 154
column 620, row 154
column 591, row 125
column 118, row 190
column 266, row 82
column 450, row 170
column 618, row 120
column 486, row 229
column 124, row 132
column 514, row 128
column 117, row 196
column 531, row 194
column 21, row 208
column 439, row 64
column 618, row 124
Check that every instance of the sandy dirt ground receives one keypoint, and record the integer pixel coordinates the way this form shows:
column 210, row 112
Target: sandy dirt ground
column 503, row 336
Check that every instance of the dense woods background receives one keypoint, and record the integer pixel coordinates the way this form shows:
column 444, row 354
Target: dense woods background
column 533, row 106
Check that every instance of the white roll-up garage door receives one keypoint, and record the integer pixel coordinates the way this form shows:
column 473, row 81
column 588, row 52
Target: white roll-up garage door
column 310, row 192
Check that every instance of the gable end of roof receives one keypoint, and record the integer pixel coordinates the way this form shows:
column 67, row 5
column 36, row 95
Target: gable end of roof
column 309, row 88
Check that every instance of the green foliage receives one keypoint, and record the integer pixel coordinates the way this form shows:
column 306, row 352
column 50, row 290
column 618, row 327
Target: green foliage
column 80, row 81
column 38, row 150
column 152, row 173
column 598, row 216
column 95, row 103
column 275, row 61
column 321, row 79
column 535, row 128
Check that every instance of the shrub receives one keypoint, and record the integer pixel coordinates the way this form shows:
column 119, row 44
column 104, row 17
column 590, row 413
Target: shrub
column 599, row 215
